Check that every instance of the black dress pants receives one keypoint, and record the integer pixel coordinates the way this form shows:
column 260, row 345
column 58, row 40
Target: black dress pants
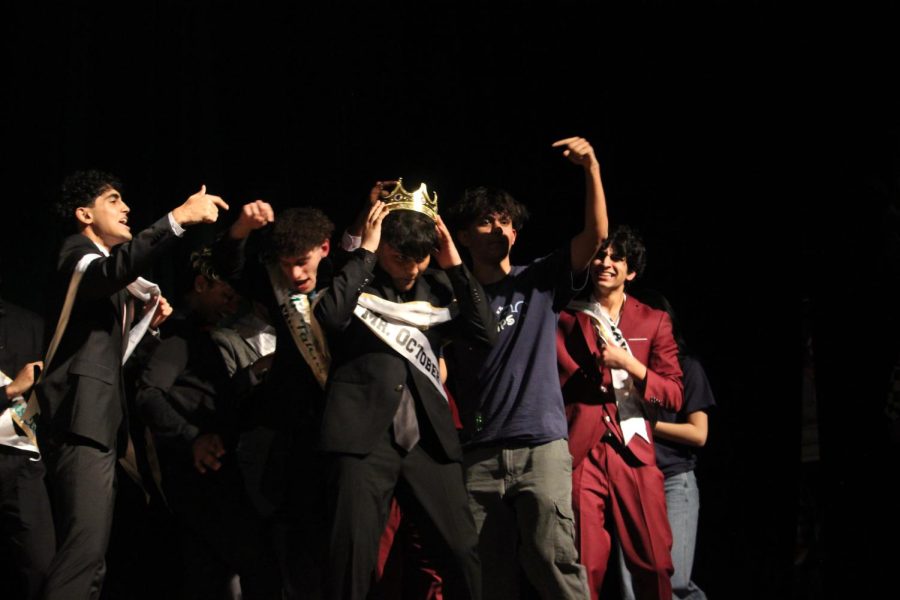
column 26, row 524
column 362, row 488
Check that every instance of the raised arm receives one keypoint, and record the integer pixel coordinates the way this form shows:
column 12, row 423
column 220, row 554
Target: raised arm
column 254, row 215
column 376, row 194
column 475, row 322
column 335, row 309
column 127, row 261
column 596, row 224
column 228, row 250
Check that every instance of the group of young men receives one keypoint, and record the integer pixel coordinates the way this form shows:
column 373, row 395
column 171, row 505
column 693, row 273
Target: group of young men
column 505, row 409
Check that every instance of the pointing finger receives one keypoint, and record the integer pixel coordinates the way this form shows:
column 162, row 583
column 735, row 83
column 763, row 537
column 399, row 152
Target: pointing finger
column 563, row 142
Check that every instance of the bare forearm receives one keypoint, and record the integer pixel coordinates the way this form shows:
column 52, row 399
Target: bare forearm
column 596, row 222
column 692, row 433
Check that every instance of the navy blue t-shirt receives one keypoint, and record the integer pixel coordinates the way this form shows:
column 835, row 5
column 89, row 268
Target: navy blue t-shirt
column 511, row 393
column 671, row 457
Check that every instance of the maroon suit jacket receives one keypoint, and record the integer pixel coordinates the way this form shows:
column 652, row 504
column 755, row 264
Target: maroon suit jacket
column 591, row 411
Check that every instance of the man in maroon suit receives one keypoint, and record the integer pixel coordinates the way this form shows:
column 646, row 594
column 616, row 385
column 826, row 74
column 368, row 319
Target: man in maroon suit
column 618, row 361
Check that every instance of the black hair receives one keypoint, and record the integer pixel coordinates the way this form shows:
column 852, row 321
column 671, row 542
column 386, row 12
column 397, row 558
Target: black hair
column 297, row 231
column 80, row 189
column 202, row 263
column 410, row 233
column 627, row 243
column 480, row 202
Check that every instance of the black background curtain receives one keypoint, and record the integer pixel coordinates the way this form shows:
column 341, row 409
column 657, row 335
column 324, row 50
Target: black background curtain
column 726, row 134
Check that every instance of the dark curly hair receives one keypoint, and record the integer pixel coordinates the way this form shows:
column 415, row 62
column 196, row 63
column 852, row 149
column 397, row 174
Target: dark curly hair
column 480, row 202
column 203, row 263
column 297, row 231
column 81, row 188
column 627, row 243
column 409, row 232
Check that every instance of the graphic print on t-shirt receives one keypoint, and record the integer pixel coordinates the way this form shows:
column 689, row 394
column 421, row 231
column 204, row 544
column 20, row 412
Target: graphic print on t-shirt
column 507, row 315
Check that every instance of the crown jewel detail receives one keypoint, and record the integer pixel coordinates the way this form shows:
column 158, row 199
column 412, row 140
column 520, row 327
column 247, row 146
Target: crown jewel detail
column 419, row 200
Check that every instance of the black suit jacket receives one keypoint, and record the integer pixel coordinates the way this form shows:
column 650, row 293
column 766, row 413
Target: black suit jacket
column 185, row 390
column 289, row 399
column 367, row 376
column 82, row 390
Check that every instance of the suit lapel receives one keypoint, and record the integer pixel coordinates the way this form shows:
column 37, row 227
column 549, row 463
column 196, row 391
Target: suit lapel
column 586, row 326
column 626, row 318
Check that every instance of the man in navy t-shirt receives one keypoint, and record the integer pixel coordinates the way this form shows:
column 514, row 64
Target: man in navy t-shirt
column 518, row 467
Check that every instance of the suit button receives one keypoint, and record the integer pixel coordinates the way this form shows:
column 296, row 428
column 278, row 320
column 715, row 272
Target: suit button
column 606, row 418
column 603, row 388
column 399, row 388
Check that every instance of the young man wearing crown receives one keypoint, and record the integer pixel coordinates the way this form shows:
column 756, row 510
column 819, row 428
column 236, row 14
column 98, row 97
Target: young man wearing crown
column 518, row 467
column 387, row 426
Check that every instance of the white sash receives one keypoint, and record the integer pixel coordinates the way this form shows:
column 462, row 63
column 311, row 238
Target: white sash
column 25, row 418
column 630, row 407
column 144, row 291
column 305, row 330
column 399, row 326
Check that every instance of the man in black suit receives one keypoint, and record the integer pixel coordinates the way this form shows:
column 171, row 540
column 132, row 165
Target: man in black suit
column 289, row 383
column 82, row 424
column 386, row 424
column 193, row 407
column 26, row 524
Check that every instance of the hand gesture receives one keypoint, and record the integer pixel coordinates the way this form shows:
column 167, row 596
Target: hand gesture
column 254, row 215
column 376, row 194
column 207, row 448
column 614, row 357
column 445, row 253
column 371, row 233
column 163, row 311
column 199, row 208
column 21, row 385
column 578, row 150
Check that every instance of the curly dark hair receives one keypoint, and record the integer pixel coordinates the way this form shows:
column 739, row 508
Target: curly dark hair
column 480, row 202
column 203, row 263
column 297, row 231
column 81, row 188
column 409, row 232
column 627, row 242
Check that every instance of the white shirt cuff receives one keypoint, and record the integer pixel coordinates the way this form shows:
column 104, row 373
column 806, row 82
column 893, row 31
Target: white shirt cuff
column 350, row 242
column 177, row 229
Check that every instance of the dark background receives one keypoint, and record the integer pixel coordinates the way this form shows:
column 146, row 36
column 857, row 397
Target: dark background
column 754, row 147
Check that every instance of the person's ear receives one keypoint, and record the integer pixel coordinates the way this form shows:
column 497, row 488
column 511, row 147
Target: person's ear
column 84, row 215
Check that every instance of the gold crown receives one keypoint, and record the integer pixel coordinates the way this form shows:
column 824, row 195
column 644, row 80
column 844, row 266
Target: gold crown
column 419, row 201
